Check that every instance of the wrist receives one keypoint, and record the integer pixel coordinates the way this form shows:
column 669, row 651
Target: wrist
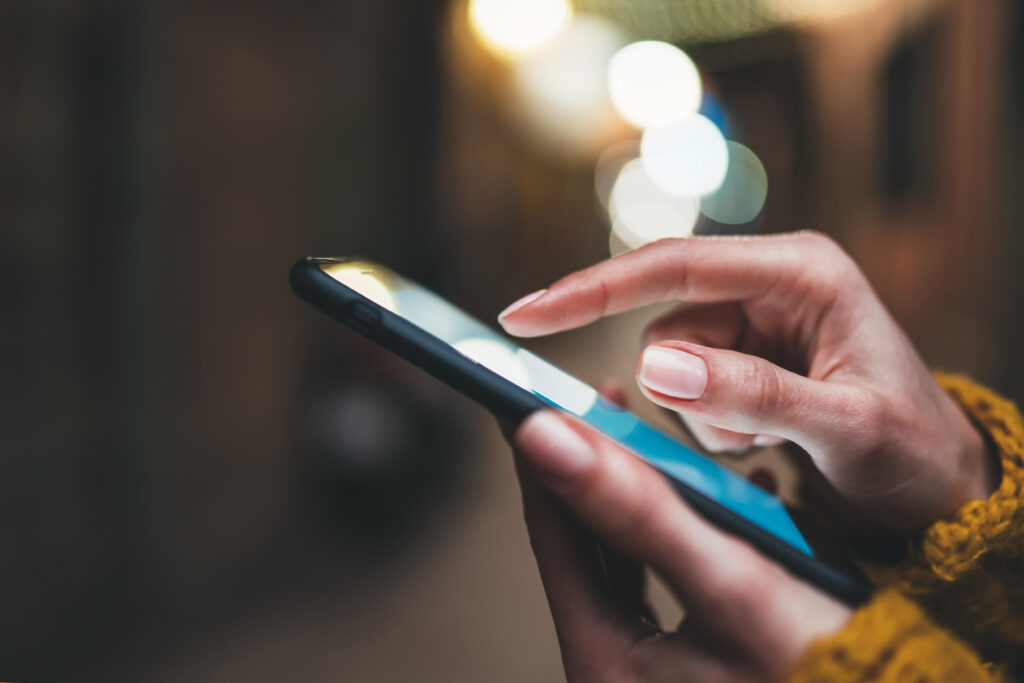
column 982, row 467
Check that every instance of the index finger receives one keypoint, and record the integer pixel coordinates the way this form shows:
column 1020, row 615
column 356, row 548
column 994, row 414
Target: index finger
column 700, row 269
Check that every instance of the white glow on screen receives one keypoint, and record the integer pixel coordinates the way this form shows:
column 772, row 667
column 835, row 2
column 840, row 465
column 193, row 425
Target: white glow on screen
column 512, row 28
column 562, row 85
column 495, row 356
column 743, row 192
column 361, row 277
column 688, row 158
column 653, row 84
column 554, row 384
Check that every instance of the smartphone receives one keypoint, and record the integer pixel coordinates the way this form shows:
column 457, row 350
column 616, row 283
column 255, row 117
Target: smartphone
column 435, row 335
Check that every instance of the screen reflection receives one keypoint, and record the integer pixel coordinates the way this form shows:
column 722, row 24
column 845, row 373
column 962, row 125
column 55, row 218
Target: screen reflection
column 481, row 344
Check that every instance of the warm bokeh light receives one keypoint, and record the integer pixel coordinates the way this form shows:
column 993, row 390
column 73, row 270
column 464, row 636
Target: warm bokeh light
column 562, row 86
column 816, row 10
column 653, row 84
column 688, row 159
column 642, row 212
column 512, row 28
column 743, row 192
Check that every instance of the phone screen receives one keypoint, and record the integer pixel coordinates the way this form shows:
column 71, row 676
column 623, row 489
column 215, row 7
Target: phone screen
column 497, row 353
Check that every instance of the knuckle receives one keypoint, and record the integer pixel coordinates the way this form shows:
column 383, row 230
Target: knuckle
column 766, row 386
column 869, row 416
column 818, row 241
column 832, row 265
column 744, row 582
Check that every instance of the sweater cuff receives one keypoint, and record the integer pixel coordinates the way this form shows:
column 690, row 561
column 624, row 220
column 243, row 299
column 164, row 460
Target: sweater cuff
column 953, row 547
column 890, row 639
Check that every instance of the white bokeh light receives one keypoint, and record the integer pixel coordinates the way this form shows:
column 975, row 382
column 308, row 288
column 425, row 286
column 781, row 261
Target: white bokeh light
column 743, row 191
column 642, row 212
column 609, row 165
column 688, row 158
column 652, row 83
column 512, row 28
column 562, row 85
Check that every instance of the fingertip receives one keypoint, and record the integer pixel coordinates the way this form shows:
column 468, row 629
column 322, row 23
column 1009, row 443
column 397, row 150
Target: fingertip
column 612, row 391
column 511, row 318
column 558, row 453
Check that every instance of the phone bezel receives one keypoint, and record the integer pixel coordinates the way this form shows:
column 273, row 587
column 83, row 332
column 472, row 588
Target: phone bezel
column 506, row 399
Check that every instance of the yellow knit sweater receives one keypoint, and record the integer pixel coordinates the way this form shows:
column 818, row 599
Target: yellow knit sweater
column 965, row 575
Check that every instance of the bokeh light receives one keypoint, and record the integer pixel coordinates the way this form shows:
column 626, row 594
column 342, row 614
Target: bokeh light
column 816, row 10
column 609, row 165
column 743, row 191
column 562, row 86
column 689, row 158
column 642, row 212
column 512, row 28
column 653, row 84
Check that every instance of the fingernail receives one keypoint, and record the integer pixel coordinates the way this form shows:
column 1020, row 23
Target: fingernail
column 528, row 299
column 673, row 372
column 767, row 441
column 553, row 448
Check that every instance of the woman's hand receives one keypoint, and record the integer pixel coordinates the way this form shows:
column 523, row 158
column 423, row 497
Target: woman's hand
column 782, row 338
column 746, row 619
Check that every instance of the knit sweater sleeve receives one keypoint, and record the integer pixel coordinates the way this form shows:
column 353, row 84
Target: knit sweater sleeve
column 967, row 571
column 964, row 573
column 890, row 640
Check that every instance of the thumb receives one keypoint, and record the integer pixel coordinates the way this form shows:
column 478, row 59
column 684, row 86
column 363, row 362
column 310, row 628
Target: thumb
column 744, row 393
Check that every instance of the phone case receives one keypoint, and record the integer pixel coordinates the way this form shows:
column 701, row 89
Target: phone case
column 514, row 403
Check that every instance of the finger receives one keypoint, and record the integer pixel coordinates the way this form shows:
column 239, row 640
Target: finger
column 592, row 626
column 719, row 325
column 613, row 392
column 633, row 508
column 749, row 395
column 699, row 269
column 715, row 439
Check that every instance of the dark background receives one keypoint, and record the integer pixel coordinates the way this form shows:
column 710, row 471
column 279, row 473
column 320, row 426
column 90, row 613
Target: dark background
column 202, row 478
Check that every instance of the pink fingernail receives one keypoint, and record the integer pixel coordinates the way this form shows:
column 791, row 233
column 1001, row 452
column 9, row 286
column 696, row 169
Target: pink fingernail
column 528, row 299
column 554, row 448
column 673, row 372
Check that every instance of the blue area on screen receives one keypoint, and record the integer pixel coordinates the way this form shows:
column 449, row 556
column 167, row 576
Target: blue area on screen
column 497, row 353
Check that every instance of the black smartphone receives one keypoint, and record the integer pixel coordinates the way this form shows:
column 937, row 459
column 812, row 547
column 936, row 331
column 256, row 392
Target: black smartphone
column 435, row 335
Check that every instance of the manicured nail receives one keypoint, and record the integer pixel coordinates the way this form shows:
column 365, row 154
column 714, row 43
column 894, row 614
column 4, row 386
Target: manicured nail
column 673, row 372
column 553, row 448
column 767, row 441
column 528, row 299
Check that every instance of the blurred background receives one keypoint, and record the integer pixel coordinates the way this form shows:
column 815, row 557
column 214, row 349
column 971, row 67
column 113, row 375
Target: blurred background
column 202, row 478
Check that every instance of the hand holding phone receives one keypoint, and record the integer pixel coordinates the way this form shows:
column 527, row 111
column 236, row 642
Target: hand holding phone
column 746, row 618
column 782, row 336
column 514, row 383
